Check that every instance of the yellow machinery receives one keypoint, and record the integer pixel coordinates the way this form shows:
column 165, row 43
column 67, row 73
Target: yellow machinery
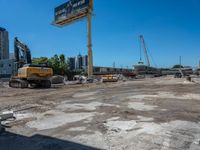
column 109, row 78
column 33, row 75
column 25, row 73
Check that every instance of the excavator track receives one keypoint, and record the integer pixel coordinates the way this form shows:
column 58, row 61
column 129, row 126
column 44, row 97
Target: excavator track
column 41, row 84
column 18, row 83
column 46, row 84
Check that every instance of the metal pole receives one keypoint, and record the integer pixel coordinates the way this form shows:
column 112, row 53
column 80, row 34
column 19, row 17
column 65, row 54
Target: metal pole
column 199, row 63
column 90, row 57
column 180, row 61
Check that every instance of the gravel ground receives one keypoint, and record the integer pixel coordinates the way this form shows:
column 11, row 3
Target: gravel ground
column 158, row 113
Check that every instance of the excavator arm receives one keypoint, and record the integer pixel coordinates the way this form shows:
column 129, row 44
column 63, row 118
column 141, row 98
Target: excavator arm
column 22, row 53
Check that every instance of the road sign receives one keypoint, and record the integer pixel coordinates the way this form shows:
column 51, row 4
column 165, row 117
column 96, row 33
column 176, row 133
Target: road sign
column 71, row 11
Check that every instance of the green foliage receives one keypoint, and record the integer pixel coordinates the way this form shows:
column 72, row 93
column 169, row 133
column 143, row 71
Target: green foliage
column 59, row 64
column 40, row 60
column 177, row 66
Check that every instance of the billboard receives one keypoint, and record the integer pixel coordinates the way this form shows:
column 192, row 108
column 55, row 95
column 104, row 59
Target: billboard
column 71, row 11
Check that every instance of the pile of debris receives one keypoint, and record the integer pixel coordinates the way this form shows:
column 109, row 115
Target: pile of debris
column 4, row 116
column 81, row 79
column 57, row 79
column 1, row 84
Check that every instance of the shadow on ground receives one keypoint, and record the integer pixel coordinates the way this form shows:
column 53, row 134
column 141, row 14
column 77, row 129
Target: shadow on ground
column 10, row 141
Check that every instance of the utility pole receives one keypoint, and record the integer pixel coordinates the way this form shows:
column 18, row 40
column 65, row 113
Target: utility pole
column 199, row 64
column 113, row 64
column 180, row 61
column 90, row 57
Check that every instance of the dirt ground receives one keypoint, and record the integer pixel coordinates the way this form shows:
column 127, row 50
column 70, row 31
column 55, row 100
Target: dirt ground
column 158, row 113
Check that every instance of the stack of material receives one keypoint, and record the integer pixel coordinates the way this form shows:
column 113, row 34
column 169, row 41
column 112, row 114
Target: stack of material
column 189, row 79
column 57, row 80
column 5, row 116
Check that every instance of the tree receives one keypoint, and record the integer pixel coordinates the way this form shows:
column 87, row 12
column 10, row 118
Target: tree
column 64, row 67
column 62, row 58
column 40, row 60
column 177, row 66
column 59, row 65
column 54, row 62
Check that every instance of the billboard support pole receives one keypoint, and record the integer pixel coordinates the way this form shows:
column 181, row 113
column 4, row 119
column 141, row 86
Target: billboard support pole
column 90, row 56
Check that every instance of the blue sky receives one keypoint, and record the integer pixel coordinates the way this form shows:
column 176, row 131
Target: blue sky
column 170, row 27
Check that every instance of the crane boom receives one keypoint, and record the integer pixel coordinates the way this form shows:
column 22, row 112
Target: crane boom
column 145, row 49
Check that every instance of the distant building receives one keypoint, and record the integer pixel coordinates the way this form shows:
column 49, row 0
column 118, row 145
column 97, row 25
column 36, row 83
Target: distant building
column 79, row 62
column 6, row 68
column 84, row 62
column 11, row 56
column 4, row 44
column 72, row 63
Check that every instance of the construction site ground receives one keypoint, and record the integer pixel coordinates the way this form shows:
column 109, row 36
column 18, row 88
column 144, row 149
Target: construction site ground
column 144, row 114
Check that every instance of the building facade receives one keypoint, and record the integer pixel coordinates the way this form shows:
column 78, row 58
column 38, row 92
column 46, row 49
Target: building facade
column 79, row 62
column 71, row 63
column 4, row 44
column 85, row 62
column 6, row 68
column 11, row 56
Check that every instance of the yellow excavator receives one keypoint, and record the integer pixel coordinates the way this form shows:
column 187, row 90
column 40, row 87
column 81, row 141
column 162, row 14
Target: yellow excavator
column 27, row 74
